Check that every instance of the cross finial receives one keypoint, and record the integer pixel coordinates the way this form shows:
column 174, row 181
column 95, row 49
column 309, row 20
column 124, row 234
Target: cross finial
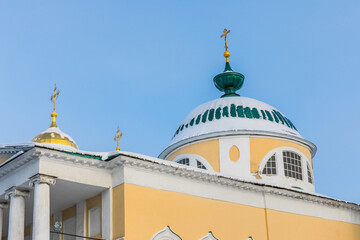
column 53, row 98
column 117, row 137
column 226, row 53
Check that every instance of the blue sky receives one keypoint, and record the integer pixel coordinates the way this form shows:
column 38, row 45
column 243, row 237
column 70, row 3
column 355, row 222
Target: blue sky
column 144, row 65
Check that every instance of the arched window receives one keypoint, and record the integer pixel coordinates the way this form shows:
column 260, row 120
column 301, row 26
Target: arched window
column 209, row 236
column 270, row 166
column 166, row 234
column 292, row 165
column 184, row 161
column 310, row 179
column 200, row 165
column 193, row 161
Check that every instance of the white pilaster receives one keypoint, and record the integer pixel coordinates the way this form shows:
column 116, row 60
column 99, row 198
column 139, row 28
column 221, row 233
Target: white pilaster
column 3, row 205
column 16, row 213
column 106, row 202
column 41, row 215
column 81, row 219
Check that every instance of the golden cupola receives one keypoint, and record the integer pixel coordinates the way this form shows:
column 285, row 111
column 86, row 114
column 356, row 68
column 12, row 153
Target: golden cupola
column 53, row 135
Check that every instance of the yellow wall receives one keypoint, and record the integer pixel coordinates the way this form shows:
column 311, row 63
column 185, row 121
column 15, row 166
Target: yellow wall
column 68, row 213
column 297, row 227
column 118, row 215
column 259, row 147
column 207, row 149
column 147, row 211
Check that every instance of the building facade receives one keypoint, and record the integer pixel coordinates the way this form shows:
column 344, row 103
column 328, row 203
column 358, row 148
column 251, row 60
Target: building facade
column 236, row 168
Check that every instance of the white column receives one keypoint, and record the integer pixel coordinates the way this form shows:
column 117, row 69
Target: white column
column 106, row 202
column 41, row 215
column 16, row 213
column 3, row 205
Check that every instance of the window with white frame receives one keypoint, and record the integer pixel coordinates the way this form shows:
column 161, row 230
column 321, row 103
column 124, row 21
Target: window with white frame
column 184, row 161
column 165, row 234
column 310, row 179
column 187, row 162
column 94, row 224
column 270, row 166
column 69, row 227
column 292, row 165
column 200, row 165
column 193, row 160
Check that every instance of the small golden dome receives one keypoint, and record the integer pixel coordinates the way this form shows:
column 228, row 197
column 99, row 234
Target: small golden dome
column 55, row 135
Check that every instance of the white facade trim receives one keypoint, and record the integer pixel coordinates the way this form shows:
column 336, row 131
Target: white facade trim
column 41, row 178
column 165, row 234
column 165, row 175
column 280, row 177
column 209, row 236
column 106, row 211
column 241, row 167
column 215, row 186
column 193, row 158
column 80, row 219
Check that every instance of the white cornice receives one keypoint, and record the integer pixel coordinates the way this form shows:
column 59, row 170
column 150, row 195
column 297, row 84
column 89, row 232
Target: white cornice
column 162, row 166
column 12, row 164
column 217, row 178
column 36, row 153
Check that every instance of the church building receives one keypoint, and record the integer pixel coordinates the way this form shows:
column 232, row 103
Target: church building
column 235, row 169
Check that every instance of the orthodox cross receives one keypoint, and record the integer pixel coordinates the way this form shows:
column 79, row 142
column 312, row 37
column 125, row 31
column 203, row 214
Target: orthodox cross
column 54, row 96
column 224, row 35
column 117, row 137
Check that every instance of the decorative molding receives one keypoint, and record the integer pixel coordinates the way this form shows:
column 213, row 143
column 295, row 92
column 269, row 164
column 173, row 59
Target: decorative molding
column 20, row 161
column 217, row 178
column 36, row 153
column 163, row 166
column 165, row 234
column 14, row 192
column 209, row 236
column 41, row 178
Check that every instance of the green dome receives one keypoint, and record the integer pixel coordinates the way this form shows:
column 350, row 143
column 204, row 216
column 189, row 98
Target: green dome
column 229, row 81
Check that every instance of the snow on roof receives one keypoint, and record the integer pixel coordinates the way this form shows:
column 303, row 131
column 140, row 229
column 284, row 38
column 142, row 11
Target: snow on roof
column 59, row 147
column 233, row 114
column 251, row 180
column 68, row 149
column 141, row 157
column 57, row 130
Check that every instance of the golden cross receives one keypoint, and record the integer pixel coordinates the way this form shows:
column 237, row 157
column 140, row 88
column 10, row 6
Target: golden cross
column 54, row 96
column 224, row 35
column 117, row 137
